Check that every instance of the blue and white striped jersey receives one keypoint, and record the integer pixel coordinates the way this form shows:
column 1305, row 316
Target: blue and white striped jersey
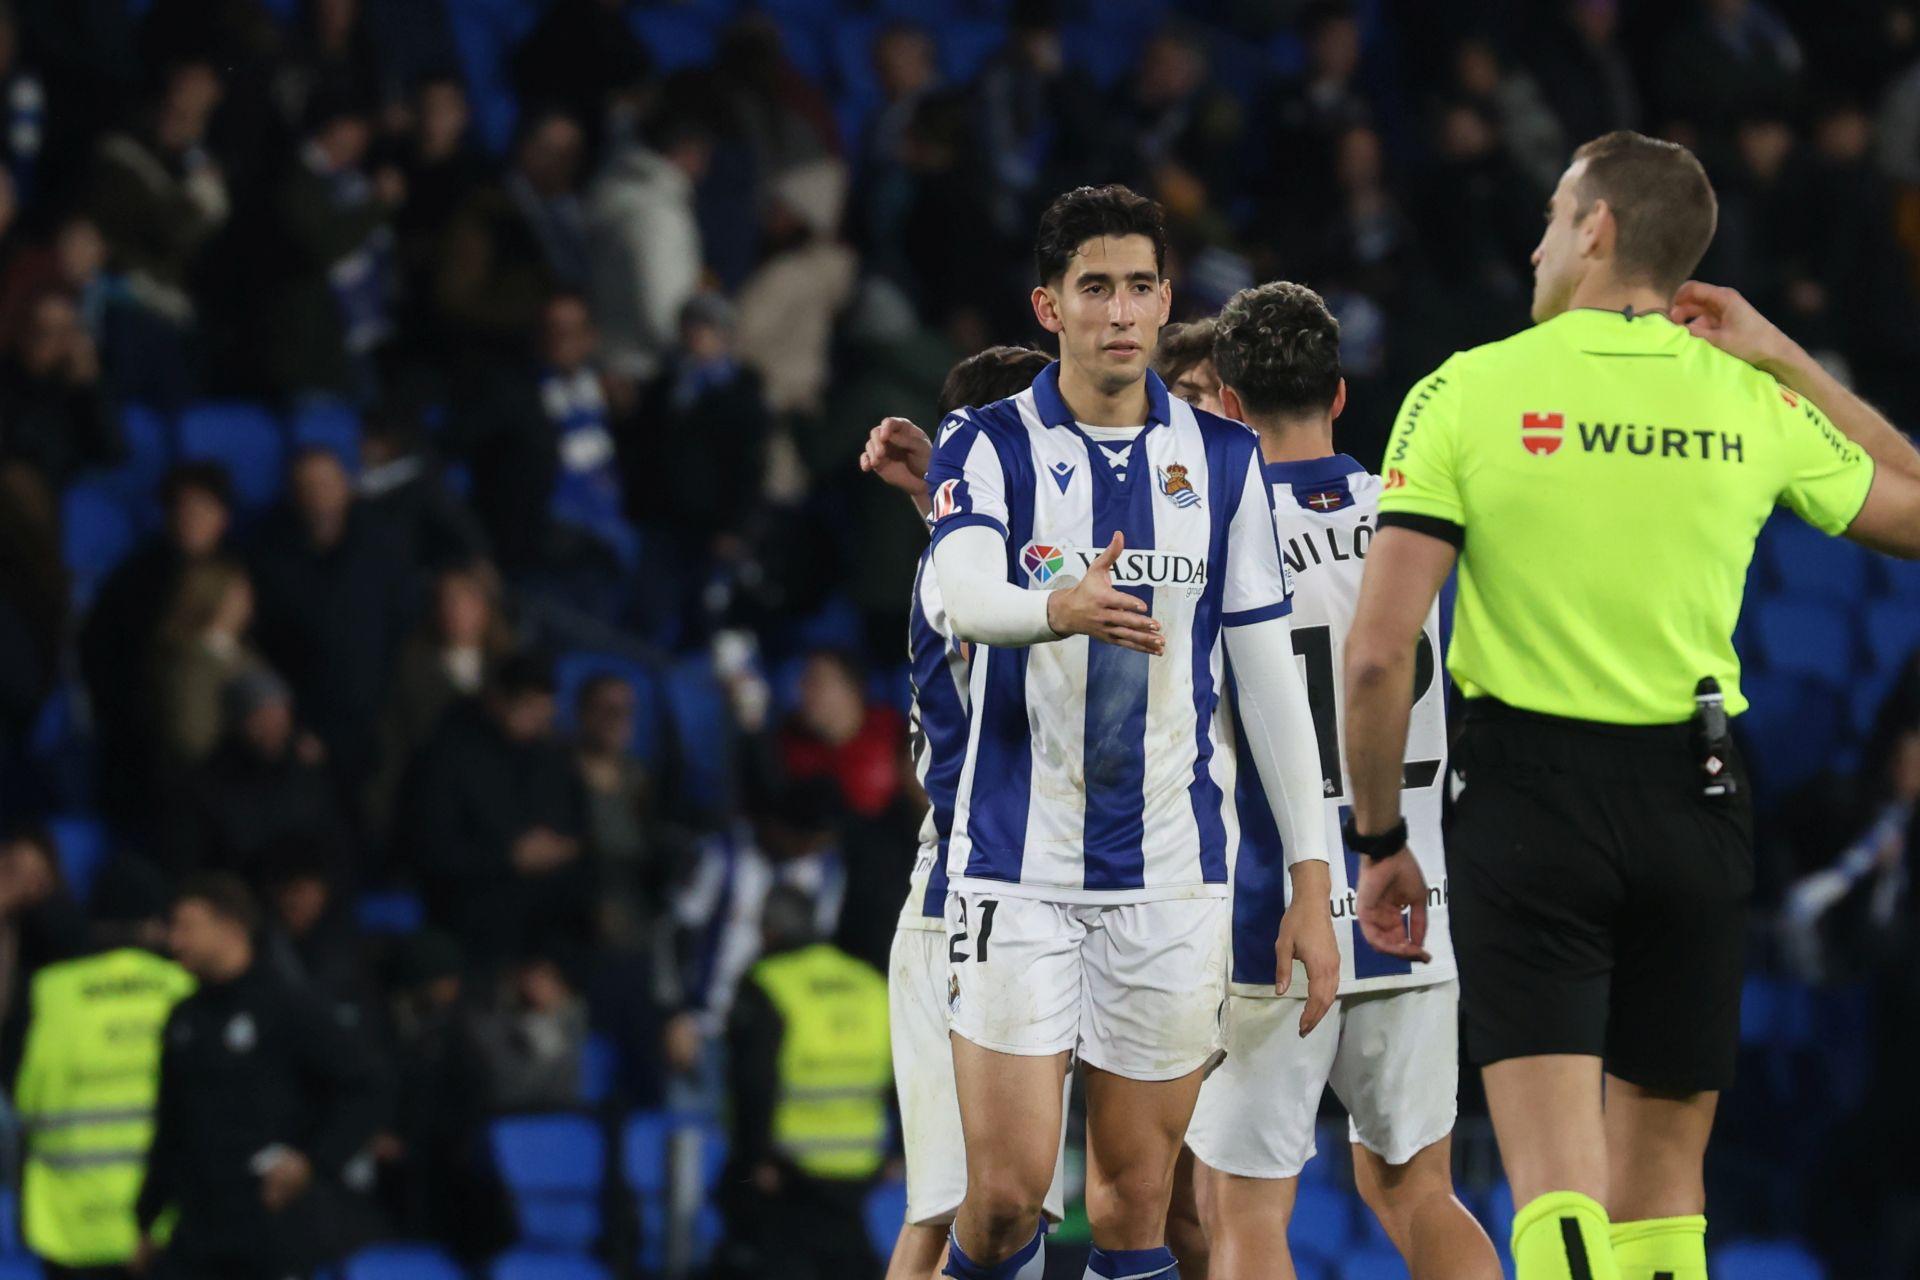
column 937, row 727
column 1092, row 773
column 1325, row 512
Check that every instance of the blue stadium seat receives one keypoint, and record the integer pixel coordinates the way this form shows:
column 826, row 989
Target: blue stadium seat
column 599, row 1068
column 554, row 1167
column 483, row 32
column 645, row 1146
column 1322, row 1222
column 149, row 438
column 1776, row 1011
column 1373, row 1264
column 1792, row 728
column 396, row 912
column 330, row 425
column 245, row 438
column 834, row 625
column 852, row 47
column 675, row 37
column 1808, row 565
column 96, row 531
column 806, row 44
column 886, row 1210
column 1766, row 1260
column 401, row 1262
column 1803, row 638
column 84, row 846
column 572, row 671
column 966, row 47
column 702, row 721
column 1893, row 632
column 1103, row 50
column 529, row 1264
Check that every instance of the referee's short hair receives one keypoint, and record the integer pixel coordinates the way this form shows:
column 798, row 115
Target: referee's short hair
column 1085, row 213
column 1278, row 347
column 1663, row 205
column 990, row 375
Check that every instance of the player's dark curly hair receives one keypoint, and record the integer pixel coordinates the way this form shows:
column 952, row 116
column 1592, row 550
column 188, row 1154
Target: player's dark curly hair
column 1278, row 347
column 1181, row 347
column 1083, row 213
column 989, row 375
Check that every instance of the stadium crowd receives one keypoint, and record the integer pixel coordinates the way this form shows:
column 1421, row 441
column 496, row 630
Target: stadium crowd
column 566, row 321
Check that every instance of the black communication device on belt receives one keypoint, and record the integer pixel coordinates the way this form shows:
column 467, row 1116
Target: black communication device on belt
column 1712, row 743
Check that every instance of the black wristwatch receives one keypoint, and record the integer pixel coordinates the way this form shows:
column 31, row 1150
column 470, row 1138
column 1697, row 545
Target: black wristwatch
column 1384, row 845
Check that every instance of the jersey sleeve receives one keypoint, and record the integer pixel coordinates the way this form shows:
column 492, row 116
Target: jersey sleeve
column 1420, row 481
column 1828, row 475
column 967, row 484
column 1258, row 586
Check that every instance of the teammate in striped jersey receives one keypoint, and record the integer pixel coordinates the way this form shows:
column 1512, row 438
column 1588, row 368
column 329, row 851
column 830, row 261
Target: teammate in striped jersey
column 1390, row 1047
column 898, row 452
column 1100, row 543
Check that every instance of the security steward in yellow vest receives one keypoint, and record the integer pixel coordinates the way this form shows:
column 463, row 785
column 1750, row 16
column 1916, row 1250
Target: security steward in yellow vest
column 810, row 1076
column 85, row 1093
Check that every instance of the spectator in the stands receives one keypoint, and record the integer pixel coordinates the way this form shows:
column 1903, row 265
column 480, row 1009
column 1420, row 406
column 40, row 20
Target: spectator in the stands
column 263, row 786
column 1727, row 59
column 331, row 304
column 643, row 232
column 516, row 241
column 788, row 306
column 446, row 658
column 442, row 170
column 23, row 112
column 531, row 1037
column 1512, row 99
column 906, row 69
column 629, row 881
column 579, row 56
column 311, row 933
column 839, row 736
column 401, row 489
column 333, row 604
column 1584, row 71
column 54, row 414
column 203, row 644
column 1479, row 224
column 330, row 50
column 70, row 261
column 493, row 819
column 34, row 605
column 1307, row 117
column 40, row 922
column 1039, row 120
column 1175, row 128
column 126, row 618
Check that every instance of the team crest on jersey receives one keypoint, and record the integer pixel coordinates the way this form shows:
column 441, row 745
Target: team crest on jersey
column 1042, row 562
column 1540, row 433
column 1174, row 483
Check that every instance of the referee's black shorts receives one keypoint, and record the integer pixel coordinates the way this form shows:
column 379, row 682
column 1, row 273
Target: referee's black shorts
column 1598, row 900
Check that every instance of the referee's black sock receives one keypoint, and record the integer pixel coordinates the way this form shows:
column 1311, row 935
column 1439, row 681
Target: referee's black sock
column 1563, row 1235
column 1661, row 1248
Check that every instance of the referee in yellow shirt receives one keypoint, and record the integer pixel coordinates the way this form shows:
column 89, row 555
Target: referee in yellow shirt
column 1600, row 478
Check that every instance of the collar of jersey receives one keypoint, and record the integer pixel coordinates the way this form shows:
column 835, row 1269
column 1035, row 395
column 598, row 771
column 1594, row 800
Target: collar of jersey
column 1053, row 410
column 1608, row 327
column 1312, row 470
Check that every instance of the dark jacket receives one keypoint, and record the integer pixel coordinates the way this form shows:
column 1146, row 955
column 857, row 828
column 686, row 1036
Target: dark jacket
column 59, row 428
column 237, row 807
column 306, row 348
column 125, row 620
column 248, row 1064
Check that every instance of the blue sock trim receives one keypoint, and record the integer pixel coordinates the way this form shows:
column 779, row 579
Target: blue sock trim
column 961, row 1267
column 1132, row 1264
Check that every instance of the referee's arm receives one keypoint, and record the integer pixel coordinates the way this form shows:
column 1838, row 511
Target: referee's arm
column 1889, row 521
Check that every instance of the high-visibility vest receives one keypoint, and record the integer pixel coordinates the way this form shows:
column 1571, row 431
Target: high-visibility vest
column 835, row 1060
column 88, row 1083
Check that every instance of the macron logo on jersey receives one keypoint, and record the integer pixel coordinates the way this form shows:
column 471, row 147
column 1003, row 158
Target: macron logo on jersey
column 1053, row 567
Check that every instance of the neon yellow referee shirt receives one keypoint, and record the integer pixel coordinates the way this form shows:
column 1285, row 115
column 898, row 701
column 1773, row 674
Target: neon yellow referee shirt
column 1605, row 478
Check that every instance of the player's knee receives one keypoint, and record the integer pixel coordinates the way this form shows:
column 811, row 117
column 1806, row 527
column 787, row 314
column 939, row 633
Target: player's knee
column 1119, row 1203
column 1006, row 1199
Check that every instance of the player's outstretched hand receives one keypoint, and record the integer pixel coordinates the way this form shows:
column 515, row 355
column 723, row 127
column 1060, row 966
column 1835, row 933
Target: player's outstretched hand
column 1727, row 320
column 1388, row 887
column 899, row 453
column 1306, row 935
column 1092, row 607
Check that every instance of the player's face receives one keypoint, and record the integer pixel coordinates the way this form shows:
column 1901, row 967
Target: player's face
column 1108, row 308
column 1557, row 260
column 1199, row 386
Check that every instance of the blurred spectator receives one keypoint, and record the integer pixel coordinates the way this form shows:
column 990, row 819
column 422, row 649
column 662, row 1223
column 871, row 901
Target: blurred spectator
column 876, row 873
column 1584, row 71
column 332, row 303
column 959, row 284
column 70, row 262
column 788, row 306
column 1175, row 128
column 578, row 57
column 441, row 170
column 330, row 50
column 1511, row 98
column 1726, row 60
column 513, row 243
column 158, row 198
column 629, row 879
column 334, row 603
column 127, row 615
column 40, row 923
column 447, row 658
column 262, row 787
column 1307, row 118
column 493, row 817
column 839, row 736
column 402, row 490
column 1039, row 121
column 435, row 1183
column 1481, row 219
column 907, row 70
column 23, row 112
column 310, row 934
column 33, row 617
column 54, row 414
column 265, row 1100
column 203, row 645
column 586, row 497
column 808, row 1067
column 1767, row 224
column 530, row 1039
column 643, row 234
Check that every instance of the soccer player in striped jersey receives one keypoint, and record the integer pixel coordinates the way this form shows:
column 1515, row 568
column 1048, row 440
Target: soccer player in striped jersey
column 898, row 452
column 1390, row 1046
column 1100, row 544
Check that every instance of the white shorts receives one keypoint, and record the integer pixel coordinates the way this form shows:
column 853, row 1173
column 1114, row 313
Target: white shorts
column 1134, row 988
column 923, row 1075
column 1392, row 1057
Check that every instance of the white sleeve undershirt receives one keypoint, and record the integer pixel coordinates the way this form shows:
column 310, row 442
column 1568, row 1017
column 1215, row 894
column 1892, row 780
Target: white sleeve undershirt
column 982, row 606
column 1277, row 725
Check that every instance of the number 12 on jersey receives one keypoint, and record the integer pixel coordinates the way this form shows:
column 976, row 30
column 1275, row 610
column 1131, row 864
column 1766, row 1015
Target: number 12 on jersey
column 1315, row 646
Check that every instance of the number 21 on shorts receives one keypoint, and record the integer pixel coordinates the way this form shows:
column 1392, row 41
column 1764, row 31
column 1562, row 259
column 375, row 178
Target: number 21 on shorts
column 957, row 936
